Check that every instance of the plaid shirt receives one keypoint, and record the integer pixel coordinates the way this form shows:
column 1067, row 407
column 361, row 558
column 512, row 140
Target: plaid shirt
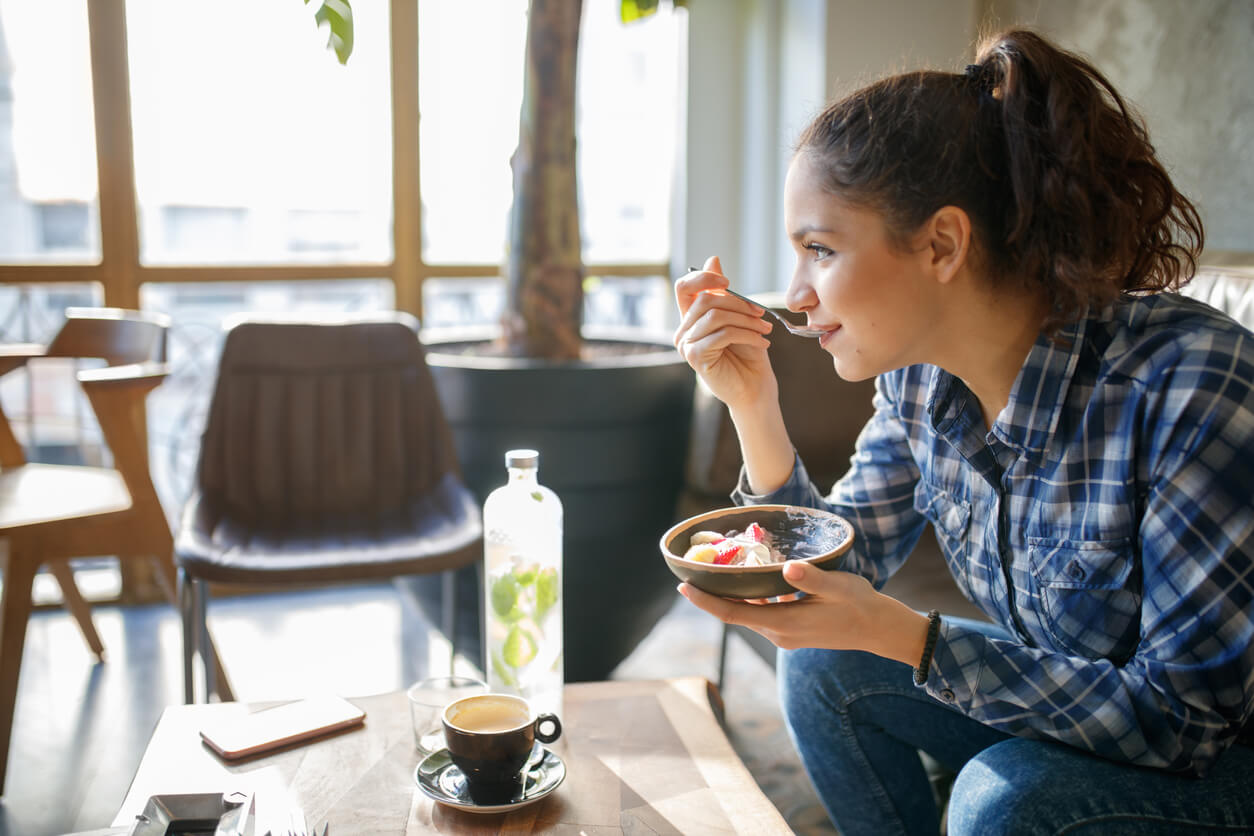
column 1106, row 521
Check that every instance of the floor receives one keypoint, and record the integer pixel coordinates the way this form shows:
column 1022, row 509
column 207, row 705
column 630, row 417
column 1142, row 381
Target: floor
column 81, row 727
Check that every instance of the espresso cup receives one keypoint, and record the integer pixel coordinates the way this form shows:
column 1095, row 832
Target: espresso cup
column 490, row 738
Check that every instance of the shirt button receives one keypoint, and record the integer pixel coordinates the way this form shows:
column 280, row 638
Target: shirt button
column 947, row 695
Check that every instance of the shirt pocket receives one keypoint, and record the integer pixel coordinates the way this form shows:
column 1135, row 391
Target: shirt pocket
column 1090, row 593
column 951, row 519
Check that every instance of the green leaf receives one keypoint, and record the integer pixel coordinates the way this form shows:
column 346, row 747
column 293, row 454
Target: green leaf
column 505, row 598
column 630, row 10
column 338, row 15
column 520, row 647
column 537, row 496
column 548, row 587
column 503, row 673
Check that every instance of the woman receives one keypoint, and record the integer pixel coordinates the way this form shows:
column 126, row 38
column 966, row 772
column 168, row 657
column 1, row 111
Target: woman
column 995, row 248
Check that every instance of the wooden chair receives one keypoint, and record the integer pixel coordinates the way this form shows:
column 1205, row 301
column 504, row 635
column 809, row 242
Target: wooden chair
column 51, row 513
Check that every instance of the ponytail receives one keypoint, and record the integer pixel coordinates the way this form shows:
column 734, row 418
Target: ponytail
column 1059, row 178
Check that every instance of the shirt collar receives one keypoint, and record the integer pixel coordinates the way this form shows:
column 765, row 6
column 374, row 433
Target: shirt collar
column 1036, row 399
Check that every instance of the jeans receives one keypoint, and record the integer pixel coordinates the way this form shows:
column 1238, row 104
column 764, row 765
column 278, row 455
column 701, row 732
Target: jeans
column 859, row 723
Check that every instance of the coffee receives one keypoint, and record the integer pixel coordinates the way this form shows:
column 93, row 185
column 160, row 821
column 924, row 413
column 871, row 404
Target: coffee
column 489, row 715
column 490, row 739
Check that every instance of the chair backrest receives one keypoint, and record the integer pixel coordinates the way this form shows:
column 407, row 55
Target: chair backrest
column 1230, row 289
column 323, row 418
column 118, row 336
column 129, row 342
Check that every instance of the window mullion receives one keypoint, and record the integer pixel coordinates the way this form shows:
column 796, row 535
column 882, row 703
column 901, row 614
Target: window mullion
column 407, row 272
column 115, row 166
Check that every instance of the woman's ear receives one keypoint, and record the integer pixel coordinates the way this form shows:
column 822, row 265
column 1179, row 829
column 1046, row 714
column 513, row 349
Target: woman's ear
column 948, row 241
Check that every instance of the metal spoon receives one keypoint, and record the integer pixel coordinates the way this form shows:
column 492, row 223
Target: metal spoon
column 799, row 330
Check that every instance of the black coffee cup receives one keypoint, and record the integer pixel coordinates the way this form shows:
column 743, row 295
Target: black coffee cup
column 490, row 738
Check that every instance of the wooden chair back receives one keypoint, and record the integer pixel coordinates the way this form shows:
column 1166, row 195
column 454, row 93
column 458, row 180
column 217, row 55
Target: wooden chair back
column 115, row 335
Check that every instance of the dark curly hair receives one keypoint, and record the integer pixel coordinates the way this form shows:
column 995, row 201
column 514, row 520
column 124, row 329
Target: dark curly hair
column 1056, row 173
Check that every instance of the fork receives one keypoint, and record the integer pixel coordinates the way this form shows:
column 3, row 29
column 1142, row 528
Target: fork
column 799, row 330
column 296, row 824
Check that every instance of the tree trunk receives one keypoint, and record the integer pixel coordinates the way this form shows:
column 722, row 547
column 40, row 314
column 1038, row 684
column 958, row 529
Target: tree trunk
column 544, row 274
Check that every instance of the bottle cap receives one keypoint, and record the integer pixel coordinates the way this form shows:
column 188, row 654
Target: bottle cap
column 522, row 458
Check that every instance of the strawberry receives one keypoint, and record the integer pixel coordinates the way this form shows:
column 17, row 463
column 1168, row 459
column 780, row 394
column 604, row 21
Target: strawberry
column 755, row 532
column 727, row 551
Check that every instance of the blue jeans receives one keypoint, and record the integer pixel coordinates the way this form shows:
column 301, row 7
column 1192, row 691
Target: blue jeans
column 859, row 724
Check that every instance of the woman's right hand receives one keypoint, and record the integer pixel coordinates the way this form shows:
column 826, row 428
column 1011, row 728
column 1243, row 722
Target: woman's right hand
column 723, row 338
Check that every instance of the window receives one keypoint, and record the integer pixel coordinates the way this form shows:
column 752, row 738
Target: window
column 630, row 89
column 264, row 174
column 48, row 204
column 252, row 144
column 470, row 90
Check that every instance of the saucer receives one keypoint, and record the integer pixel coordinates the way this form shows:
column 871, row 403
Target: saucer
column 440, row 779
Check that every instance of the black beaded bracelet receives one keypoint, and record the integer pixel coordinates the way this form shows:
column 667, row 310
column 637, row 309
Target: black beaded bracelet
column 933, row 630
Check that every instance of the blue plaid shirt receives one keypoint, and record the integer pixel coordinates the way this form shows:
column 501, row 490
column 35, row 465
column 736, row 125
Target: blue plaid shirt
column 1106, row 521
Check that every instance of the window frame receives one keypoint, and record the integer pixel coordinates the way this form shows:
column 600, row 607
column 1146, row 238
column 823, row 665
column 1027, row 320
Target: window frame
column 119, row 270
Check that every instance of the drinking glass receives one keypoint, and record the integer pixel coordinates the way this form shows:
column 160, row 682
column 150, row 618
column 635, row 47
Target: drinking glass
column 427, row 699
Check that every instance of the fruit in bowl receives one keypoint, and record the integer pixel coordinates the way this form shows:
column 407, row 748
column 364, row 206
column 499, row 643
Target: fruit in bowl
column 740, row 552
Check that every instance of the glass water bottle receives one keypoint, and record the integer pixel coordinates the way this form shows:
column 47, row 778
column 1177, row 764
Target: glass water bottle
column 522, row 523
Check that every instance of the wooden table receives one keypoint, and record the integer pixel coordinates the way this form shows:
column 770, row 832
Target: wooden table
column 644, row 756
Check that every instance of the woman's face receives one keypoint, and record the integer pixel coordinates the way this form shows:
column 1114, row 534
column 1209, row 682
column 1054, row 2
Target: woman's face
column 876, row 302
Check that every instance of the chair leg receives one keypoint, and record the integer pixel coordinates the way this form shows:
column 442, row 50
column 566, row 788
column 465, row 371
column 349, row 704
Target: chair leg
column 448, row 613
column 15, row 608
column 722, row 657
column 193, row 606
column 74, row 602
column 187, row 611
column 183, row 594
column 208, row 654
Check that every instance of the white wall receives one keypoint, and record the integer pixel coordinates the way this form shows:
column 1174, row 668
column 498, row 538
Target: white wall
column 1189, row 69
column 758, row 71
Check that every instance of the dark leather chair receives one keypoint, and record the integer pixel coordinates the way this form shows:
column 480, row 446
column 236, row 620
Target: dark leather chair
column 326, row 459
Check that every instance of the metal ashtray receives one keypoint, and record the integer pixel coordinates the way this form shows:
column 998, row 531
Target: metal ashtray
column 183, row 815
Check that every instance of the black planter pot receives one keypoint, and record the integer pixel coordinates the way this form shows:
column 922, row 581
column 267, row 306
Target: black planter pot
column 612, row 433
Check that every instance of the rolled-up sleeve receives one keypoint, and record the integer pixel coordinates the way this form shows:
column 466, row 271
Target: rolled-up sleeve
column 876, row 494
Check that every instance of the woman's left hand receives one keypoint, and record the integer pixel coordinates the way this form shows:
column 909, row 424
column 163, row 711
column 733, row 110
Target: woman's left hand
column 840, row 611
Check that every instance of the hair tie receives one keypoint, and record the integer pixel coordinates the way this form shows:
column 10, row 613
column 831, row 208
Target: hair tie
column 981, row 76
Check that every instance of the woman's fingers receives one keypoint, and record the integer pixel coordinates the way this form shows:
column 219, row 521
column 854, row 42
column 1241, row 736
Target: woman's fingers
column 705, row 344
column 755, row 614
column 711, row 312
column 690, row 286
column 831, row 614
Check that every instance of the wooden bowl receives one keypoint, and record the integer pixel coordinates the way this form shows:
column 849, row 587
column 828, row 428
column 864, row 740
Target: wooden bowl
column 753, row 581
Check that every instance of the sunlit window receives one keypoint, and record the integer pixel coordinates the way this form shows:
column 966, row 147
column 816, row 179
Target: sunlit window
column 470, row 92
column 630, row 89
column 252, row 145
column 49, row 209
column 470, row 61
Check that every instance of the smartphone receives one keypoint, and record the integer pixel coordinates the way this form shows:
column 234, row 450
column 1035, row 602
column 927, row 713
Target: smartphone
column 271, row 728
